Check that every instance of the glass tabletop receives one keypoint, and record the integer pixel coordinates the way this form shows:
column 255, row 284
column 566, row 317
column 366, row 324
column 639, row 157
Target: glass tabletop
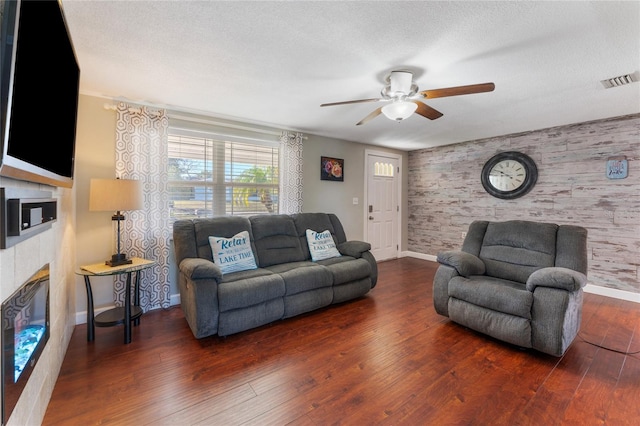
column 137, row 264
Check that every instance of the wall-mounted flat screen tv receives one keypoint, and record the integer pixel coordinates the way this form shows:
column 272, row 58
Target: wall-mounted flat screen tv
column 40, row 79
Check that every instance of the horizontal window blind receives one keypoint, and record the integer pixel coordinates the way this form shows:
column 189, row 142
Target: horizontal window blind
column 212, row 175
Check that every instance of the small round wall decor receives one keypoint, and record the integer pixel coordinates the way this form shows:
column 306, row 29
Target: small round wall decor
column 509, row 175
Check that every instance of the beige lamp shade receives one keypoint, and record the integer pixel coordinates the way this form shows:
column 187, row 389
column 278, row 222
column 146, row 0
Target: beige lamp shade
column 115, row 195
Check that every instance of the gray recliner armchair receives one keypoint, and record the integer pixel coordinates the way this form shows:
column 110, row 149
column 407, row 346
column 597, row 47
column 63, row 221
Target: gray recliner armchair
column 518, row 281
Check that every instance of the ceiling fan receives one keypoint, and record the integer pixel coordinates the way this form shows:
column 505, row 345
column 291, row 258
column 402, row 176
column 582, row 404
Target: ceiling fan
column 402, row 93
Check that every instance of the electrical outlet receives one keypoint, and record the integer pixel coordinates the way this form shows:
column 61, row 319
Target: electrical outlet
column 464, row 235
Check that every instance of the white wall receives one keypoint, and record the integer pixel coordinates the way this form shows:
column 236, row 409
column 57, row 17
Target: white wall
column 95, row 158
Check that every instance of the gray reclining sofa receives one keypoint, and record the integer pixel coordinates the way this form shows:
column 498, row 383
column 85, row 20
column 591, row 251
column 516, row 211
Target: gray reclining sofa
column 286, row 281
column 517, row 281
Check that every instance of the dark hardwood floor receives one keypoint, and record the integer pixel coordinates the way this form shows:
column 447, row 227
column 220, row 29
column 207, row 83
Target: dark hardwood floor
column 387, row 358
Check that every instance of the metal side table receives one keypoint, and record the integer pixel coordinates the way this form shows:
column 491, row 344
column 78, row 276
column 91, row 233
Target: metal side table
column 118, row 315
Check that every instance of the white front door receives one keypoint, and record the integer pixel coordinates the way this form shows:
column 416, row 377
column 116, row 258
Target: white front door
column 383, row 209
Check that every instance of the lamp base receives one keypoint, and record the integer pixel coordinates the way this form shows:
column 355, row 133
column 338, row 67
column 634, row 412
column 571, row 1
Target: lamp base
column 118, row 260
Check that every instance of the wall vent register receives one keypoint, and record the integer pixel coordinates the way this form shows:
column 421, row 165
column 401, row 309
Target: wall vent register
column 620, row 80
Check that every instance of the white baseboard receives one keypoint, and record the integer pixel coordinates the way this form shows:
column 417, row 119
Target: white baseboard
column 419, row 255
column 612, row 292
column 174, row 299
column 589, row 288
column 81, row 317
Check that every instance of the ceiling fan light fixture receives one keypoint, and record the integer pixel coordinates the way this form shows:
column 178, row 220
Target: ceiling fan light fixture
column 400, row 85
column 399, row 110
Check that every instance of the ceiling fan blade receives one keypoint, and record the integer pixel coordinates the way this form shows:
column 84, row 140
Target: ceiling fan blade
column 371, row 116
column 458, row 90
column 426, row 111
column 352, row 102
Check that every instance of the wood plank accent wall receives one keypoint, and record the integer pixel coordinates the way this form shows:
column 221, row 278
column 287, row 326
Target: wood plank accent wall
column 445, row 194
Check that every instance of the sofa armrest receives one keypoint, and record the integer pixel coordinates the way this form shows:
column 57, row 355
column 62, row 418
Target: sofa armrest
column 556, row 277
column 197, row 269
column 353, row 248
column 464, row 263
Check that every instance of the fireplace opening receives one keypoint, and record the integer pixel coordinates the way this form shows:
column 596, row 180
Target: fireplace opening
column 25, row 332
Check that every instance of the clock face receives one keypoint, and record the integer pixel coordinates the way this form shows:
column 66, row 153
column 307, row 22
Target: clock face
column 509, row 175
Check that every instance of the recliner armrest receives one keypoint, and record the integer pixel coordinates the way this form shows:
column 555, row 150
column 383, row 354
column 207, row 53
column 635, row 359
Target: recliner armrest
column 197, row 269
column 465, row 263
column 353, row 248
column 557, row 277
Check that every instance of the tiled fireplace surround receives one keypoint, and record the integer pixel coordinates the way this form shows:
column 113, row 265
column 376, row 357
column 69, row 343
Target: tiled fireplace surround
column 57, row 248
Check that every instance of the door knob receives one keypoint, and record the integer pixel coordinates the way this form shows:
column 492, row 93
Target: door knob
column 370, row 217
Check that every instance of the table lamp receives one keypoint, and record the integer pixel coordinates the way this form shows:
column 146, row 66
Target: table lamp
column 115, row 195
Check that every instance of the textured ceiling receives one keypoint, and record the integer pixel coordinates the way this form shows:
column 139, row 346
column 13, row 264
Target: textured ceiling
column 274, row 63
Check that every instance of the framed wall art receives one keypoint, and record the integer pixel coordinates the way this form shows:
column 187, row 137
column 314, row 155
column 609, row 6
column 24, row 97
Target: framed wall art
column 332, row 169
column 617, row 167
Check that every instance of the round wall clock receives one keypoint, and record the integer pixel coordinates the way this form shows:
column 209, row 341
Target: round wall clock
column 509, row 175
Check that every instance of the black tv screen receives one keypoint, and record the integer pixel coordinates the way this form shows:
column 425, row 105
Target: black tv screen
column 40, row 81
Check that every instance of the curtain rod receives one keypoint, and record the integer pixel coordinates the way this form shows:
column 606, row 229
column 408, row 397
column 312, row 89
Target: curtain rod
column 131, row 109
column 211, row 122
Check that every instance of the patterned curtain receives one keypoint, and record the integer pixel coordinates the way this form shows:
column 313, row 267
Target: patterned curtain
column 141, row 153
column 291, row 175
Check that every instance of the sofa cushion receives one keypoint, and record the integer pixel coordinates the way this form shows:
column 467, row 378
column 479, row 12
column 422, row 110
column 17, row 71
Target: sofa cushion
column 493, row 293
column 302, row 276
column 352, row 290
column 257, row 287
column 509, row 328
column 243, row 275
column 321, row 245
column 307, row 301
column 315, row 221
column 276, row 240
column 233, row 254
column 241, row 319
column 513, row 250
column 224, row 226
column 346, row 269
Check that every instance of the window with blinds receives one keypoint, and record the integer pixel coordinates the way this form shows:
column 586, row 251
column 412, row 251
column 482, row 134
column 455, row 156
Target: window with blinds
column 211, row 176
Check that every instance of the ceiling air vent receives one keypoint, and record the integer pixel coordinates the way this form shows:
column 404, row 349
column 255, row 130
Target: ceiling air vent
column 619, row 81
